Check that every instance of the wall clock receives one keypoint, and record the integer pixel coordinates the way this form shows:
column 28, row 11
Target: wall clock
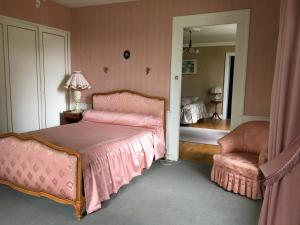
column 126, row 54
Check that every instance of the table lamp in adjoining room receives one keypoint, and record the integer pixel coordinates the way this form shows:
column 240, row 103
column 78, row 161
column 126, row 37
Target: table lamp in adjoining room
column 77, row 82
column 216, row 94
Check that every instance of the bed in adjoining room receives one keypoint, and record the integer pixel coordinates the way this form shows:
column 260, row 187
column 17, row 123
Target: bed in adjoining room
column 82, row 164
column 192, row 109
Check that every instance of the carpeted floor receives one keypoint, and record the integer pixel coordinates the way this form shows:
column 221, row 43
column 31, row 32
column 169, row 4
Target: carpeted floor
column 176, row 194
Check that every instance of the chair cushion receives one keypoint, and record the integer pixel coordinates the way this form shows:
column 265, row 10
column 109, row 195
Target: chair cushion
column 243, row 163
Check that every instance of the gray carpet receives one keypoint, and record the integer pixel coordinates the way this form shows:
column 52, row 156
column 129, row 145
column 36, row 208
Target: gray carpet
column 176, row 194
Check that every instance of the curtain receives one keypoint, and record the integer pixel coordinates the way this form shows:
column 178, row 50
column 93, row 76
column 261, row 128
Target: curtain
column 281, row 205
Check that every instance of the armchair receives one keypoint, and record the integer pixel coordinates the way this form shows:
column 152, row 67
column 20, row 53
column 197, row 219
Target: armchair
column 236, row 168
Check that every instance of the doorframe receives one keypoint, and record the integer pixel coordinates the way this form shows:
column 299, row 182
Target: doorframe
column 226, row 83
column 239, row 17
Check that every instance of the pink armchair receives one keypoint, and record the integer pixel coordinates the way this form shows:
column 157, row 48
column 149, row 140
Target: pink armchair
column 236, row 168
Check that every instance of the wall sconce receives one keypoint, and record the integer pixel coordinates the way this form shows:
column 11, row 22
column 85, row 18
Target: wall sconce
column 38, row 3
column 105, row 69
column 148, row 70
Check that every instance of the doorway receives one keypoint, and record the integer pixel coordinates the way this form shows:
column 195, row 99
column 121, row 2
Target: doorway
column 238, row 17
column 206, row 91
column 228, row 85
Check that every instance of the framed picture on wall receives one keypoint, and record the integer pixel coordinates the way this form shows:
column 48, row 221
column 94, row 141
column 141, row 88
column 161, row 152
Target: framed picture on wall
column 189, row 66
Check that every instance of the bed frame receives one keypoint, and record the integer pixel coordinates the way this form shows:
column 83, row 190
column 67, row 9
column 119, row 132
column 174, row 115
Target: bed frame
column 79, row 202
column 100, row 102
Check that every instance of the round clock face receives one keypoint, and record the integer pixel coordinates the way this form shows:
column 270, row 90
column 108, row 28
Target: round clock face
column 126, row 54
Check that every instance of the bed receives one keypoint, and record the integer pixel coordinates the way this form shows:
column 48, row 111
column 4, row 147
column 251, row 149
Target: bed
column 192, row 109
column 82, row 164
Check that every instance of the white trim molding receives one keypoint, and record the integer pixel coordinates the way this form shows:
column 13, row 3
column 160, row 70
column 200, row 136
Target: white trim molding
column 239, row 17
column 211, row 44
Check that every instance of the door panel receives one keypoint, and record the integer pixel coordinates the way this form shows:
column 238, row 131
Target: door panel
column 23, row 76
column 54, row 70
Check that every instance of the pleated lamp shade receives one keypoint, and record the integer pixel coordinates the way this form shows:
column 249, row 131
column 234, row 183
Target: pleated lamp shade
column 216, row 90
column 77, row 81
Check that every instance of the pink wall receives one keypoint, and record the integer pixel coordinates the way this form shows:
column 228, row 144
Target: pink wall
column 49, row 14
column 100, row 35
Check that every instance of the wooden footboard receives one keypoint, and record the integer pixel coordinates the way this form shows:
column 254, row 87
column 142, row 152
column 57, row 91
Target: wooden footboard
column 34, row 166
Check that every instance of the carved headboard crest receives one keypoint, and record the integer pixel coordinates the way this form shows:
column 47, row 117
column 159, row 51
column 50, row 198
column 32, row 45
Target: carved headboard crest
column 130, row 102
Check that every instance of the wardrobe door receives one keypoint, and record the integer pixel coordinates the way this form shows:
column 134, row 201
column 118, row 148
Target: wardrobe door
column 24, row 77
column 54, row 62
column 3, row 109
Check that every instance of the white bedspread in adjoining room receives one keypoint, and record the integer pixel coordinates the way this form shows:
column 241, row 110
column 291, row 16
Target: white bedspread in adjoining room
column 192, row 109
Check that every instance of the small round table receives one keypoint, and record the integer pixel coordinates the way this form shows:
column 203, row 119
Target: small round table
column 215, row 114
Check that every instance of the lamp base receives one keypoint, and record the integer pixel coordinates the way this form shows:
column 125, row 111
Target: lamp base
column 77, row 96
column 76, row 111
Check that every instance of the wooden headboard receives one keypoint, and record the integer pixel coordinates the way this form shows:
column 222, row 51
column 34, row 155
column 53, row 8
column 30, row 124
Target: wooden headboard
column 129, row 102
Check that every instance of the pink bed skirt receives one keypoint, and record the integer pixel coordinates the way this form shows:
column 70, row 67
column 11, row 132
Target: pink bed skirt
column 237, row 183
column 106, row 173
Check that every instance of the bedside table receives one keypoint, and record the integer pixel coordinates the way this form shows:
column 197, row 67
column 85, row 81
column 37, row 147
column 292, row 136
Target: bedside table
column 70, row 117
column 216, row 114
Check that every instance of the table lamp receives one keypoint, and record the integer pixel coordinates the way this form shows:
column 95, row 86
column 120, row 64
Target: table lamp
column 77, row 82
column 216, row 94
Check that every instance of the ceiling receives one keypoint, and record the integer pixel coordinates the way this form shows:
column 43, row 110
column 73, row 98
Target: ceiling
column 211, row 34
column 82, row 3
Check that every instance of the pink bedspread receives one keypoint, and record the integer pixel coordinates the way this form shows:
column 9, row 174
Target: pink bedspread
column 112, row 154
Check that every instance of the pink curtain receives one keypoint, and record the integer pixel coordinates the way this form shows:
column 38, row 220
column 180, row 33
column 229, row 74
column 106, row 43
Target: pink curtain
column 281, row 204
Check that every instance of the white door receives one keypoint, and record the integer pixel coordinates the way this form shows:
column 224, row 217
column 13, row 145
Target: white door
column 3, row 111
column 54, row 56
column 24, row 77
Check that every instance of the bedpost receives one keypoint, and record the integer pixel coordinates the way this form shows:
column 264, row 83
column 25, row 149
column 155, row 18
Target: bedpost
column 79, row 204
column 79, row 210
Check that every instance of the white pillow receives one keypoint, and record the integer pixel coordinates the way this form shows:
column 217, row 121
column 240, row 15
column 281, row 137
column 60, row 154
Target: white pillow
column 186, row 101
column 195, row 98
column 189, row 100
